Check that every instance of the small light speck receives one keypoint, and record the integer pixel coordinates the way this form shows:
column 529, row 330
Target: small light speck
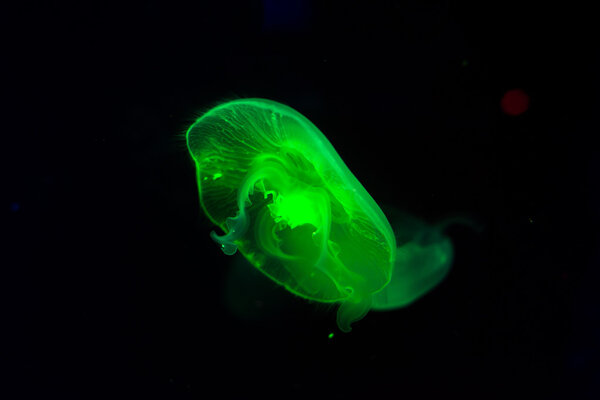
column 14, row 207
column 464, row 63
column 330, row 336
column 530, row 220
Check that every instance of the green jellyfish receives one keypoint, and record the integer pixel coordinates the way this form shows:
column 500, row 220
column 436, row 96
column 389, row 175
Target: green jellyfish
column 423, row 259
column 275, row 186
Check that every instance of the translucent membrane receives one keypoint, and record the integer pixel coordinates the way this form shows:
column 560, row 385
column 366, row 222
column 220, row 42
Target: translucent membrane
column 423, row 259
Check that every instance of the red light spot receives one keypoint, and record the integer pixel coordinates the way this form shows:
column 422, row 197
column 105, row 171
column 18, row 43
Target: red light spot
column 514, row 102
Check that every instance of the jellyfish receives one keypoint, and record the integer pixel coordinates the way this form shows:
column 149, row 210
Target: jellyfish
column 424, row 257
column 283, row 198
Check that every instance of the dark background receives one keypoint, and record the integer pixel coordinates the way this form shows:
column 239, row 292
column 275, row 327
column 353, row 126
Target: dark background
column 114, row 288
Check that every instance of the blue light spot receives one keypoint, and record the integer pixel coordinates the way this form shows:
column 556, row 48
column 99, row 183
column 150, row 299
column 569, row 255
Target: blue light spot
column 14, row 207
column 285, row 15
